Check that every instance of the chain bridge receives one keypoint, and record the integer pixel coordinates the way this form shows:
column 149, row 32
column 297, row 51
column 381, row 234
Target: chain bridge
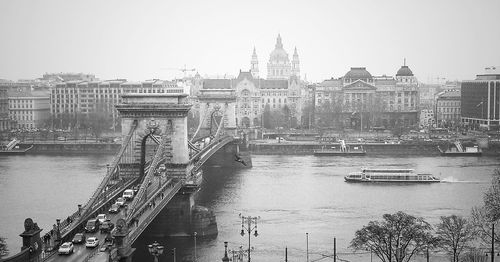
column 158, row 159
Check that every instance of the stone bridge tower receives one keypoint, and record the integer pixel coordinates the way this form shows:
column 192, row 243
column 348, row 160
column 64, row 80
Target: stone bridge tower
column 163, row 113
column 213, row 104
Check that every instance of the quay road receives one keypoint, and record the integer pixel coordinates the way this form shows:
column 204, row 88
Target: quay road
column 82, row 253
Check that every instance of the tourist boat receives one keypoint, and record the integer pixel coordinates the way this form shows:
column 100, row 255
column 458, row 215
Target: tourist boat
column 342, row 150
column 390, row 175
column 459, row 150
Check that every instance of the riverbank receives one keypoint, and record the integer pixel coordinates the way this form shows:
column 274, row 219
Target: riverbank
column 273, row 147
column 64, row 147
column 267, row 147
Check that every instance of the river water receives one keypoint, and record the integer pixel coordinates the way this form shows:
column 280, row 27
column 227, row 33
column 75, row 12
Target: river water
column 292, row 195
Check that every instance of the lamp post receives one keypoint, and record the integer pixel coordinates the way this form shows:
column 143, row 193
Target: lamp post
column 307, row 247
column 195, row 233
column 492, row 242
column 155, row 250
column 249, row 224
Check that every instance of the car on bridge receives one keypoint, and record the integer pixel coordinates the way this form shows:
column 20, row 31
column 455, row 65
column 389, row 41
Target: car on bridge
column 107, row 226
column 79, row 238
column 128, row 194
column 114, row 208
column 66, row 248
column 92, row 225
column 92, row 242
column 101, row 218
column 121, row 201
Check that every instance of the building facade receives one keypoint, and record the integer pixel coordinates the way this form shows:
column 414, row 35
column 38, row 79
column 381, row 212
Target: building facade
column 359, row 100
column 29, row 109
column 4, row 109
column 72, row 98
column 448, row 108
column 480, row 100
column 427, row 119
column 282, row 94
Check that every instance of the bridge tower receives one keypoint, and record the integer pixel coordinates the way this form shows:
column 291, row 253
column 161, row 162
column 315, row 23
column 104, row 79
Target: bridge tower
column 152, row 115
column 216, row 104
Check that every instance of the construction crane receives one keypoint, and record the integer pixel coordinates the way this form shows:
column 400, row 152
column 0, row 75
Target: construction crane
column 183, row 70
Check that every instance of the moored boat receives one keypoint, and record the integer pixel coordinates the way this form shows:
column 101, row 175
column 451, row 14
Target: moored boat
column 390, row 175
column 341, row 150
column 17, row 150
column 457, row 149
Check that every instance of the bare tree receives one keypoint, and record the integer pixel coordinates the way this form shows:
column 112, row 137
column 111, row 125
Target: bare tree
column 4, row 251
column 397, row 238
column 492, row 197
column 484, row 217
column 454, row 233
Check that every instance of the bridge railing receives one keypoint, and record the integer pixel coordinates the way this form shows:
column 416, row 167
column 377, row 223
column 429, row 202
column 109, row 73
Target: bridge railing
column 112, row 171
column 140, row 221
column 68, row 230
column 150, row 172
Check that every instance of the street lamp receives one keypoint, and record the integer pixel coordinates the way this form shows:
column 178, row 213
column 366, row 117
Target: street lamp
column 195, row 233
column 249, row 224
column 155, row 250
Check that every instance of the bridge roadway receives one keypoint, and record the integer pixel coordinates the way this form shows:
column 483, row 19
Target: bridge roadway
column 82, row 253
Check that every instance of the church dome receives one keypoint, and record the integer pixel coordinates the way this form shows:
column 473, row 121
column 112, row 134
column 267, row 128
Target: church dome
column 404, row 71
column 278, row 54
column 358, row 73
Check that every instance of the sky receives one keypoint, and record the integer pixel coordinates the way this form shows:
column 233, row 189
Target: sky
column 139, row 40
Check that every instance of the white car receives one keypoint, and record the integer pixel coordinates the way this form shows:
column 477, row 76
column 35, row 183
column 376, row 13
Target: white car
column 128, row 194
column 92, row 242
column 121, row 201
column 66, row 248
column 101, row 218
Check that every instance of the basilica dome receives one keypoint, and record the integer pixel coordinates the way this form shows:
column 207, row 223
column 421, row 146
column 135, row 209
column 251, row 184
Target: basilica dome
column 279, row 54
column 404, row 71
column 358, row 73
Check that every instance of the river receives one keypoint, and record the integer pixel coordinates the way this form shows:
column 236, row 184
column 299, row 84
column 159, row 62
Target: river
column 292, row 195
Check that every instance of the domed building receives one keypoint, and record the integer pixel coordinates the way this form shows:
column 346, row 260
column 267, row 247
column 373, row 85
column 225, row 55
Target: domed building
column 363, row 101
column 279, row 65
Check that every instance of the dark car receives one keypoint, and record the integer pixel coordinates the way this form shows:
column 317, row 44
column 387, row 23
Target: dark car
column 107, row 226
column 114, row 208
column 79, row 238
column 92, row 225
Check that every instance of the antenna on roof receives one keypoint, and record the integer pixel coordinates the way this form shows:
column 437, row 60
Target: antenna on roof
column 404, row 61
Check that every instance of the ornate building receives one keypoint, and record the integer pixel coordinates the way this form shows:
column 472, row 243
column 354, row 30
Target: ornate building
column 279, row 66
column 282, row 92
column 359, row 100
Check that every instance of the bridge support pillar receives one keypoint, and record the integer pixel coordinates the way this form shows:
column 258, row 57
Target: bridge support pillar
column 181, row 218
column 235, row 154
column 123, row 251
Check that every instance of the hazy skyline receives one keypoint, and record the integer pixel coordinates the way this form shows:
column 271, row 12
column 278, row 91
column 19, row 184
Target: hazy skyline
column 140, row 40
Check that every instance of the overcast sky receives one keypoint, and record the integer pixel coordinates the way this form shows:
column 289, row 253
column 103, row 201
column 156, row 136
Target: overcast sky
column 140, row 40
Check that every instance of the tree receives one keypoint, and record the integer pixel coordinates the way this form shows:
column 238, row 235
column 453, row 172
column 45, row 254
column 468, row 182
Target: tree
column 4, row 251
column 397, row 238
column 485, row 216
column 454, row 233
column 492, row 197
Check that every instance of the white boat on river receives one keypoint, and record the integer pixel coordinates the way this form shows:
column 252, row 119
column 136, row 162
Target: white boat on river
column 391, row 176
